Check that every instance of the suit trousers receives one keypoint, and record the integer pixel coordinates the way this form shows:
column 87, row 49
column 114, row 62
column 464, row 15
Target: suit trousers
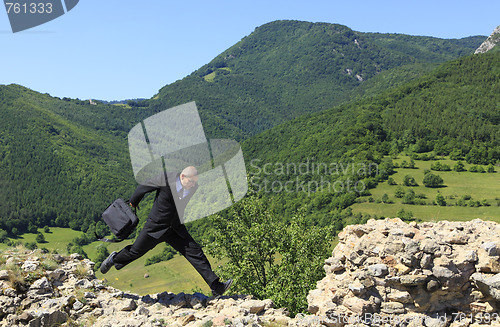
column 184, row 244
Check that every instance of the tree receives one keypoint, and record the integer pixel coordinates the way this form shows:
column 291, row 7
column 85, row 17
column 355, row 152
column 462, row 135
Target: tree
column 409, row 181
column 440, row 199
column 268, row 257
column 40, row 238
column 385, row 198
column 3, row 236
column 102, row 254
column 399, row 193
column 459, row 166
column 432, row 180
column 405, row 215
column 409, row 197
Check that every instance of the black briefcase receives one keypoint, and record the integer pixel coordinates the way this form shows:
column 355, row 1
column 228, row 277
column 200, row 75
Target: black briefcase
column 121, row 219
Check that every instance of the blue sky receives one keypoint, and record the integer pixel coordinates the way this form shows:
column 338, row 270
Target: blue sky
column 122, row 49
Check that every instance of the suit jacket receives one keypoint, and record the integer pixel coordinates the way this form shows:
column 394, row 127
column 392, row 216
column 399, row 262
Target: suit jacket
column 168, row 206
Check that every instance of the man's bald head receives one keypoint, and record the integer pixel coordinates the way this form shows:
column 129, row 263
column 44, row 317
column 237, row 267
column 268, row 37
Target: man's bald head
column 189, row 177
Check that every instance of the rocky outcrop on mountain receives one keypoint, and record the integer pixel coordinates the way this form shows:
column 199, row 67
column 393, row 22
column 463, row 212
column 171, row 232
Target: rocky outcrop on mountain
column 490, row 42
column 42, row 290
column 391, row 273
column 383, row 273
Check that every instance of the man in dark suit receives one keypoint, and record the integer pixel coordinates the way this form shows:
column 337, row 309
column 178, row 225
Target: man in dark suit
column 164, row 225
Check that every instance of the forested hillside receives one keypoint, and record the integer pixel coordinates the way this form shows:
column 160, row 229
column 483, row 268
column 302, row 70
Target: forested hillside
column 454, row 108
column 287, row 68
column 453, row 111
column 57, row 169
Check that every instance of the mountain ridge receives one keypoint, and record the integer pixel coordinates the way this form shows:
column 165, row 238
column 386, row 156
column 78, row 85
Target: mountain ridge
column 491, row 42
column 287, row 68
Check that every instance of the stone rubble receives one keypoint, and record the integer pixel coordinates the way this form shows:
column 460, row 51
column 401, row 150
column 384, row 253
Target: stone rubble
column 427, row 274
column 382, row 273
column 70, row 295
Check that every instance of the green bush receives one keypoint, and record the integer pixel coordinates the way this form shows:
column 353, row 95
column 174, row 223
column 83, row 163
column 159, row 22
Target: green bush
column 459, row 166
column 40, row 238
column 432, row 180
column 251, row 237
column 440, row 200
column 409, row 181
column 399, row 193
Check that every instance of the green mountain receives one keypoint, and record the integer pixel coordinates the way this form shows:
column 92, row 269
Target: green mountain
column 454, row 110
column 55, row 170
column 288, row 68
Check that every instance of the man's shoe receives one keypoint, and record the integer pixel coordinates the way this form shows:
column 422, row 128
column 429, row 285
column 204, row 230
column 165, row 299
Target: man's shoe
column 221, row 288
column 108, row 263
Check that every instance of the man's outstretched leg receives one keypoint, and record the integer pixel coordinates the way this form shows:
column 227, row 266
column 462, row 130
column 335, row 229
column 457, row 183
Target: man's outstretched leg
column 141, row 246
column 192, row 251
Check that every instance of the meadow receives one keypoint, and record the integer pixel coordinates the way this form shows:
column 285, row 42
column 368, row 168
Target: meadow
column 482, row 187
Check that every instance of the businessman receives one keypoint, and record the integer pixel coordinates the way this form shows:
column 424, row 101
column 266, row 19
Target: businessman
column 164, row 225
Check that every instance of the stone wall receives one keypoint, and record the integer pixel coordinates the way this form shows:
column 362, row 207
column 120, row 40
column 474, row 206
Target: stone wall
column 41, row 290
column 427, row 274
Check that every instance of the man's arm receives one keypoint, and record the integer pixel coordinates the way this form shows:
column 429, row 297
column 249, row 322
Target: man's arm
column 150, row 186
column 139, row 193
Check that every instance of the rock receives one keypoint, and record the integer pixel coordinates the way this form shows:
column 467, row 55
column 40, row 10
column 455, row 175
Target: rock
column 392, row 308
column 400, row 296
column 89, row 295
column 429, row 246
column 179, row 300
column 378, row 270
column 402, row 269
column 426, row 261
column 129, row 305
column 76, row 257
column 358, row 305
column 4, row 275
column 357, row 288
column 142, row 311
column 78, row 305
column 57, row 275
column 49, row 319
column 29, row 265
column 198, row 300
column 10, row 292
column 427, row 268
column 490, row 42
column 491, row 248
column 413, row 280
column 488, row 285
column 58, row 258
column 253, row 306
column 25, row 317
column 187, row 319
column 432, row 286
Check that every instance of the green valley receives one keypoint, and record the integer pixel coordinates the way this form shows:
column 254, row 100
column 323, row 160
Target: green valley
column 467, row 195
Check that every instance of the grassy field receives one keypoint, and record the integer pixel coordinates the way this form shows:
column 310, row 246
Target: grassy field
column 479, row 186
column 56, row 239
column 176, row 275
